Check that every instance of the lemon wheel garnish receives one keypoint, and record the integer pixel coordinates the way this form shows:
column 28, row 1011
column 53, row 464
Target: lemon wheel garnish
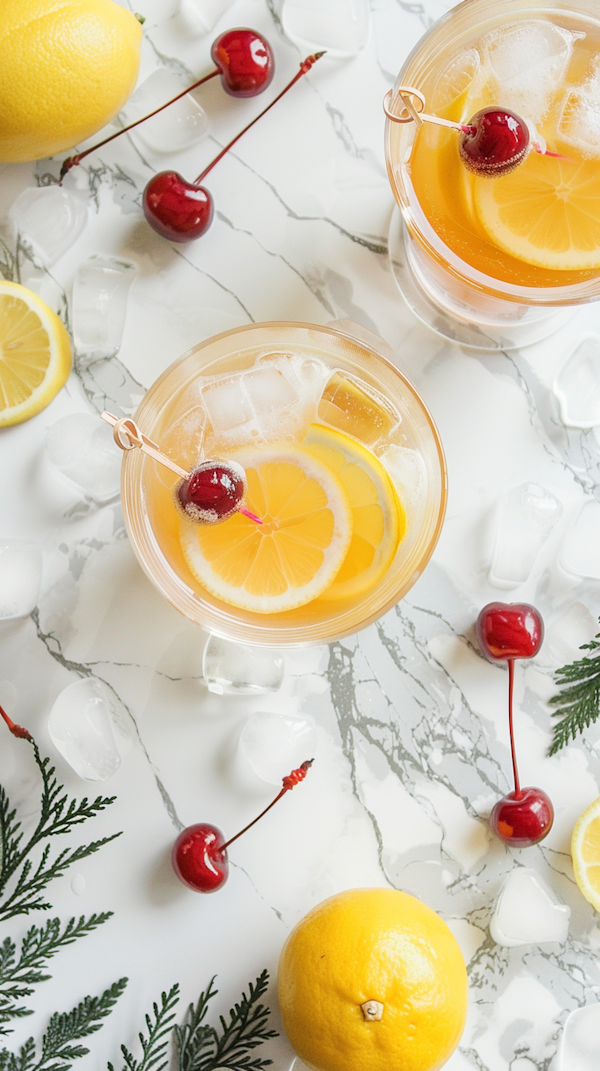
column 585, row 849
column 35, row 354
column 545, row 212
column 289, row 559
column 378, row 520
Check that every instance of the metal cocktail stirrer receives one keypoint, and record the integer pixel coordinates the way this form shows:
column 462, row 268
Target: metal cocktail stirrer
column 128, row 436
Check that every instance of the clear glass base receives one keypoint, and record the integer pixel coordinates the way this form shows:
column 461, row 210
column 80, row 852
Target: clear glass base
column 516, row 327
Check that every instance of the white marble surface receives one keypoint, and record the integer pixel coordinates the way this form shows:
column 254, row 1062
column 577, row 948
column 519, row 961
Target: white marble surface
column 412, row 747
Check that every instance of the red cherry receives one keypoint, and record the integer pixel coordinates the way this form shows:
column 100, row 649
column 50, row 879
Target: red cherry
column 509, row 630
column 198, row 858
column 213, row 492
column 245, row 61
column 497, row 142
column 177, row 209
column 524, row 818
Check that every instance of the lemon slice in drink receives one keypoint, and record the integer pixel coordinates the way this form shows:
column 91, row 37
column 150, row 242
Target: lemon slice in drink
column 585, row 849
column 545, row 212
column 35, row 354
column 378, row 519
column 289, row 559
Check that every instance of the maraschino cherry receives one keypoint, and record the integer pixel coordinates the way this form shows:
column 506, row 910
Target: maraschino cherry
column 495, row 143
column 182, row 211
column 213, row 492
column 199, row 854
column 244, row 59
column 506, row 631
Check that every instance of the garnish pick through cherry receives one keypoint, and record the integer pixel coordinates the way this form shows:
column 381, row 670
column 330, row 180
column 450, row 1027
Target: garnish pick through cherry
column 506, row 631
column 182, row 211
column 199, row 854
column 244, row 60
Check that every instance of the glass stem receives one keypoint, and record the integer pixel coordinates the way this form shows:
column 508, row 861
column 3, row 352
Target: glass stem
column 513, row 749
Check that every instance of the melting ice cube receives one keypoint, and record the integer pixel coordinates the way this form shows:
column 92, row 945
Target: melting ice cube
column 236, row 669
column 255, row 406
column 100, row 293
column 577, row 386
column 579, row 1048
column 50, row 218
column 275, row 744
column 528, row 62
column 82, row 727
column 20, row 578
column 340, row 26
column 179, row 126
column 207, row 12
column 580, row 551
column 528, row 514
column 455, row 78
column 81, row 446
column 362, row 412
column 579, row 123
column 568, row 631
column 528, row 913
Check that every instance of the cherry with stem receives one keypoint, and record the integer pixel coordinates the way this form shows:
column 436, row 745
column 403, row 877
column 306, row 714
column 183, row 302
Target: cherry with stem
column 507, row 631
column 199, row 854
column 244, row 60
column 182, row 211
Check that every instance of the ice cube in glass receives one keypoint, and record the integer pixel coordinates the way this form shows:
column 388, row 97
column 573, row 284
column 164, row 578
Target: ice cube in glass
column 456, row 77
column 528, row 912
column 339, row 26
column 255, row 406
column 20, row 577
column 180, row 126
column 82, row 448
column 275, row 744
column 527, row 61
column 528, row 513
column 100, row 293
column 579, row 122
column 50, row 218
column 577, row 386
column 579, row 1048
column 238, row 669
column 80, row 725
column 347, row 404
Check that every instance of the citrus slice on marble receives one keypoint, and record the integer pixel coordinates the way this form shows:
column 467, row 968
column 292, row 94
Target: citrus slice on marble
column 545, row 212
column 378, row 519
column 585, row 849
column 35, row 354
column 289, row 559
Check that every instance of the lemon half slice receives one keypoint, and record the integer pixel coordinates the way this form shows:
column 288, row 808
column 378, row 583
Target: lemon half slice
column 585, row 849
column 378, row 520
column 35, row 354
column 544, row 212
column 289, row 559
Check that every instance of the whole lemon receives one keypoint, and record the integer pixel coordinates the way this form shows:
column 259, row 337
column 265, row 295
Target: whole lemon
column 373, row 980
column 66, row 68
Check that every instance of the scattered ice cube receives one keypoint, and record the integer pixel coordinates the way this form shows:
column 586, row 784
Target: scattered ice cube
column 456, row 77
column 579, row 122
column 207, row 12
column 347, row 404
column 579, row 1048
column 340, row 26
column 81, row 446
column 528, row 61
column 577, row 386
column 49, row 218
column 178, row 127
column 20, row 578
column 407, row 470
column 100, row 293
column 580, row 551
column 237, row 669
column 528, row 514
column 568, row 631
column 528, row 913
column 275, row 744
column 85, row 728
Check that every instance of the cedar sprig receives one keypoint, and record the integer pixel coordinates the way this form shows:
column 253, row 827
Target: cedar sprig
column 200, row 1047
column 155, row 1043
column 578, row 702
column 19, row 974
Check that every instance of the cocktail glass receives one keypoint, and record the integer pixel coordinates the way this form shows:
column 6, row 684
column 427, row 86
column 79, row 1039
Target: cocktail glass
column 474, row 307
column 408, row 445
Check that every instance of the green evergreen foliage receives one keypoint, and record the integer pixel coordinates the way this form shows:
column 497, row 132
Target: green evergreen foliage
column 199, row 1047
column 578, row 702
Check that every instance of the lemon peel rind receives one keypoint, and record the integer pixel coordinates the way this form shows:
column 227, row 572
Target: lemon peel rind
column 579, row 866
column 59, row 364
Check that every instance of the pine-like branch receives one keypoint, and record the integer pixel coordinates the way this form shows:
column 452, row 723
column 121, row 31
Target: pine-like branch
column 578, row 703
column 245, row 1031
column 195, row 1041
column 155, row 1043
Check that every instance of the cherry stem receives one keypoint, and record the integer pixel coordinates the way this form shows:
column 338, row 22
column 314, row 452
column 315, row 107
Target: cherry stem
column 513, row 749
column 16, row 730
column 305, row 67
column 73, row 161
column 288, row 784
